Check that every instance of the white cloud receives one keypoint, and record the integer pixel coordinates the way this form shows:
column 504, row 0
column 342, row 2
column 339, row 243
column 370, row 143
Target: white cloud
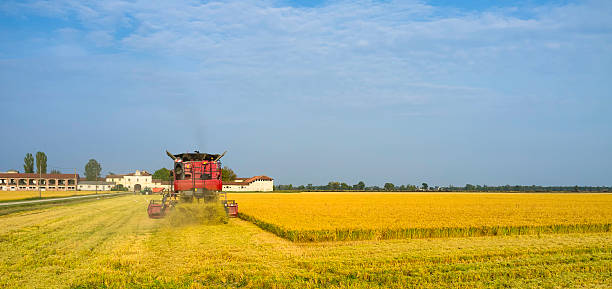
column 343, row 51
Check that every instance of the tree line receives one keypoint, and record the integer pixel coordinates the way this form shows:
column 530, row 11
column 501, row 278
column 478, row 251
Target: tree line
column 41, row 163
column 360, row 186
column 93, row 168
column 390, row 187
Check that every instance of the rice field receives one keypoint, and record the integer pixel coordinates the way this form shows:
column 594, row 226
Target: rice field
column 113, row 244
column 23, row 195
column 362, row 216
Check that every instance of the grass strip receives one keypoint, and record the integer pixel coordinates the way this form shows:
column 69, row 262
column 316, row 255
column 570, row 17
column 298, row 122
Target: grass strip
column 418, row 233
column 5, row 210
column 57, row 197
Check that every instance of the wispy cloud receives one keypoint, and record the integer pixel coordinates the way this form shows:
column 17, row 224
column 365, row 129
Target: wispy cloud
column 341, row 52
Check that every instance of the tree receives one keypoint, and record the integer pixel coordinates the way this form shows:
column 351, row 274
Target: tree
column 333, row 186
column 424, row 186
column 359, row 186
column 288, row 187
column 55, row 171
column 92, row 170
column 162, row 174
column 227, row 174
column 28, row 163
column 41, row 163
column 389, row 187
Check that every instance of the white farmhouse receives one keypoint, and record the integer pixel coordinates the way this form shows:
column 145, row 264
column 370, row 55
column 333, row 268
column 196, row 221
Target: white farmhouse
column 254, row 184
column 94, row 186
column 137, row 181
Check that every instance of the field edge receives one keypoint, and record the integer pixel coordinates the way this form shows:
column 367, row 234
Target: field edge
column 420, row 233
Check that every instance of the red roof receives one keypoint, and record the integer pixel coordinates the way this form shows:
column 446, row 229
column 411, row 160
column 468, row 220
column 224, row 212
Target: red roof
column 142, row 174
column 36, row 176
column 247, row 181
column 114, row 176
column 235, row 183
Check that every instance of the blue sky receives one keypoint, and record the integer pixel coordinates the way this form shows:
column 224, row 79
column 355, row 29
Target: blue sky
column 488, row 92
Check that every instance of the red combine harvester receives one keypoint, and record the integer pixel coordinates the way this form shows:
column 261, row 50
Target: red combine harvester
column 196, row 176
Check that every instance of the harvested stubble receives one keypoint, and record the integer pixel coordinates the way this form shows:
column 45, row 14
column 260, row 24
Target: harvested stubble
column 311, row 217
column 194, row 213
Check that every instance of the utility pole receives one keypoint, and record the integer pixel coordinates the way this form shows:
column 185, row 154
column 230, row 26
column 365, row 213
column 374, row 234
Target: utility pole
column 38, row 183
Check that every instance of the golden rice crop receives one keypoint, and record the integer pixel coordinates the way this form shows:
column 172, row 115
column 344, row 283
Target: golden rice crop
column 355, row 216
column 20, row 195
column 112, row 243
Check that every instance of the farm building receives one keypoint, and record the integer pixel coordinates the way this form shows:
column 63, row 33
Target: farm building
column 161, row 185
column 95, row 186
column 15, row 181
column 137, row 181
column 254, row 184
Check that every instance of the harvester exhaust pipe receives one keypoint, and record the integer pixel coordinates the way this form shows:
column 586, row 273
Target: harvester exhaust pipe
column 171, row 155
column 218, row 158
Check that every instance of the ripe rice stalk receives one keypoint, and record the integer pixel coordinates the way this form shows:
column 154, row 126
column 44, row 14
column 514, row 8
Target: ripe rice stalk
column 311, row 217
column 418, row 233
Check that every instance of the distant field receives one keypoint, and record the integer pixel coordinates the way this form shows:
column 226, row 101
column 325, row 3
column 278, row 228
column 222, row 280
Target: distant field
column 113, row 244
column 357, row 216
column 21, row 195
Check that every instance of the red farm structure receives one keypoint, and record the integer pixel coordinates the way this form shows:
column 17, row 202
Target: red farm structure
column 196, row 176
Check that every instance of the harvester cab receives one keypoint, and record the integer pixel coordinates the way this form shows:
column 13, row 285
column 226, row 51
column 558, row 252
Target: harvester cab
column 196, row 177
